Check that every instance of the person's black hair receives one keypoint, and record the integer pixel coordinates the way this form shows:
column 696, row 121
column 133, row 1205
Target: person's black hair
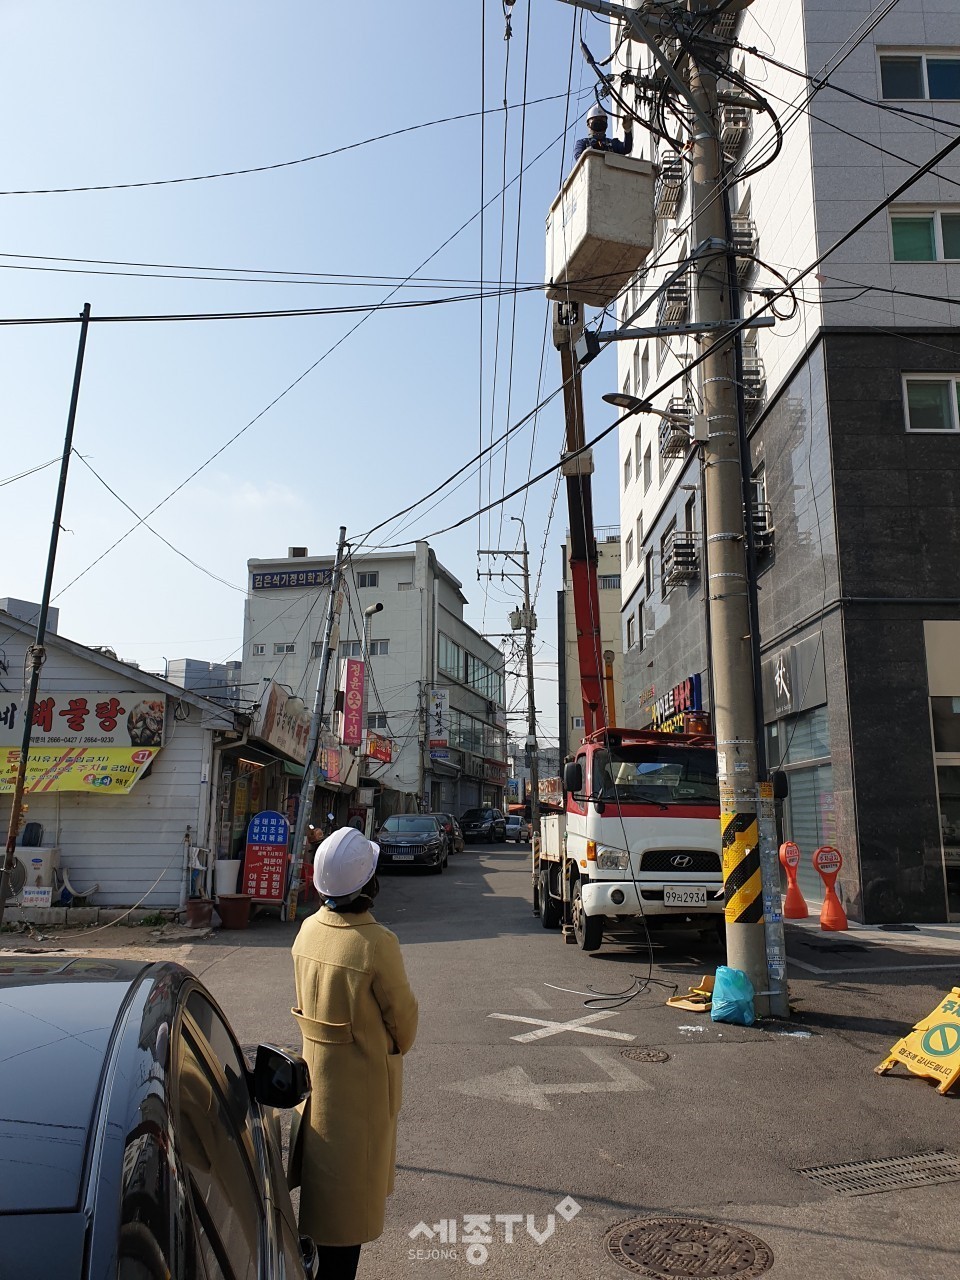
column 364, row 902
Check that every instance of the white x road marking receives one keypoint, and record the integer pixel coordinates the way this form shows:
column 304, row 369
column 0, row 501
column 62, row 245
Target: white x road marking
column 545, row 1028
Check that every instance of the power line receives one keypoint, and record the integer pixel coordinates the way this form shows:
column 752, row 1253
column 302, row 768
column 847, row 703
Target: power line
column 264, row 168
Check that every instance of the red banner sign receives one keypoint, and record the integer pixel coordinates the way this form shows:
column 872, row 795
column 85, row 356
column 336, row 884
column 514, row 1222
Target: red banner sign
column 352, row 726
column 379, row 748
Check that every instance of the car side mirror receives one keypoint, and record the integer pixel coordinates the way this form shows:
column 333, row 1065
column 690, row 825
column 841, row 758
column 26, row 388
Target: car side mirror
column 572, row 777
column 781, row 784
column 280, row 1079
column 310, row 1257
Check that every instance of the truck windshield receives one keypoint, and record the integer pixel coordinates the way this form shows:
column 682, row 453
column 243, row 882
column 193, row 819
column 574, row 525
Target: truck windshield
column 656, row 775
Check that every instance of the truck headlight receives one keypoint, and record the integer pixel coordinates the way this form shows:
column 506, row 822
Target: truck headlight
column 612, row 859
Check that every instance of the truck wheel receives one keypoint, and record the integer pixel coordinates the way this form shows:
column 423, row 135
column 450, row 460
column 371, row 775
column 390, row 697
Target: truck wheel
column 588, row 930
column 549, row 909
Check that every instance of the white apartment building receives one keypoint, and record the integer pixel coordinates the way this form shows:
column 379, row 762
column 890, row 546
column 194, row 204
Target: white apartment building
column 419, row 641
column 852, row 411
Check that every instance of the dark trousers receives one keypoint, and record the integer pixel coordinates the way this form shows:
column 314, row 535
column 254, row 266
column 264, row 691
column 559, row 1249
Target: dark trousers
column 338, row 1262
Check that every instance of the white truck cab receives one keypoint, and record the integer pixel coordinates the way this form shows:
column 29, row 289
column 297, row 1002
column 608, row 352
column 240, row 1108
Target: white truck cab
column 640, row 837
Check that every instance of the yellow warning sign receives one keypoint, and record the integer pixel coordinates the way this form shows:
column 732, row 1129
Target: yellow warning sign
column 933, row 1046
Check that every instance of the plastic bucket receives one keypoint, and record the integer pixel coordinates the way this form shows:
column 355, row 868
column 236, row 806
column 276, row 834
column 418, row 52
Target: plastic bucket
column 226, row 871
column 198, row 913
column 234, row 909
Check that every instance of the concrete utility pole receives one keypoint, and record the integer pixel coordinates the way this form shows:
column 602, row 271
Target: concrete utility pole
column 524, row 620
column 313, row 742
column 726, row 567
column 36, row 654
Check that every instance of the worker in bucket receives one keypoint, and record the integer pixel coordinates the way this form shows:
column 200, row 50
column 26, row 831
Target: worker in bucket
column 358, row 1017
column 597, row 140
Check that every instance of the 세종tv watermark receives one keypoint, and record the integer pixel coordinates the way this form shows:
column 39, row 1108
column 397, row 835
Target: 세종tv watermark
column 471, row 1236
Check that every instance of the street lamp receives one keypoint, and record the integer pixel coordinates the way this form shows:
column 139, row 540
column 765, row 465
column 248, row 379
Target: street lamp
column 633, row 404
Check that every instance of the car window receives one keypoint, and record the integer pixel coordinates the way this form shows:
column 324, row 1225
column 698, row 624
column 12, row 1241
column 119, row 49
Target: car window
column 472, row 815
column 223, row 1049
column 223, row 1189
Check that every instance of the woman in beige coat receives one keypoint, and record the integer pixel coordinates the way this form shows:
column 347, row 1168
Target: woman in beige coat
column 358, row 1017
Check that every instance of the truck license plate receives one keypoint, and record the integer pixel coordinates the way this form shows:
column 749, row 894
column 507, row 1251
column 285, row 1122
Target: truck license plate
column 408, row 857
column 677, row 896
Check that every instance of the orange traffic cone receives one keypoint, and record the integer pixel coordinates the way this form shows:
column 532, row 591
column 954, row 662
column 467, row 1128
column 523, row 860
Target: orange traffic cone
column 794, row 905
column 828, row 862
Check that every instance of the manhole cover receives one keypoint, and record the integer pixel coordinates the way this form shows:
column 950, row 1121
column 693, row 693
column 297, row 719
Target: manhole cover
column 896, row 1173
column 645, row 1055
column 671, row 1248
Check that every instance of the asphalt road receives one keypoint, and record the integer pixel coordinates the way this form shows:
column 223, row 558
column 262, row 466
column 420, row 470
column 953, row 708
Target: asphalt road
column 508, row 1111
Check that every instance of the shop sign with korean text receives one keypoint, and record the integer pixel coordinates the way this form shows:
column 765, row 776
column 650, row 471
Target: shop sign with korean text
column 84, row 719
column 265, row 856
column 351, row 683
column 276, row 726
column 438, row 732
column 379, row 748
column 102, row 770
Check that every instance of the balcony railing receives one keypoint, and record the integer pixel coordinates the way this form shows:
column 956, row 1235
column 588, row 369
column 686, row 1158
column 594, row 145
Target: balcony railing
column 674, row 304
column 676, row 431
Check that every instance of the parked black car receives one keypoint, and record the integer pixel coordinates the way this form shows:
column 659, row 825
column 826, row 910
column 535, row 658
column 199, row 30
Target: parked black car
column 134, row 1140
column 483, row 824
column 414, row 839
column 453, row 832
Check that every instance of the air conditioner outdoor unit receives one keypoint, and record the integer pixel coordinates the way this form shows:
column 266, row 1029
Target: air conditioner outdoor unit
column 669, row 186
column 754, row 382
column 33, row 869
column 674, row 302
column 681, row 560
column 734, row 126
column 675, row 431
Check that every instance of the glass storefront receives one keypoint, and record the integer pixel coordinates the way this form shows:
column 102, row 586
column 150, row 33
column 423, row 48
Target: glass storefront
column 945, row 714
column 800, row 745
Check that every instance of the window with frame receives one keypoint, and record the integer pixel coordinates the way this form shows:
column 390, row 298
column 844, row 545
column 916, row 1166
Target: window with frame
column 647, row 468
column 259, row 650
column 648, row 574
column 404, row 586
column 628, row 549
column 637, row 452
column 631, row 631
column 931, row 402
column 645, row 367
column 639, row 536
column 284, row 647
column 663, row 346
column 609, row 582
column 919, row 75
column 376, row 720
column 316, row 649
column 665, row 540
column 576, row 722
column 350, row 649
column 627, row 468
column 927, row 235
column 636, row 368
column 379, row 648
column 368, row 579
column 690, row 514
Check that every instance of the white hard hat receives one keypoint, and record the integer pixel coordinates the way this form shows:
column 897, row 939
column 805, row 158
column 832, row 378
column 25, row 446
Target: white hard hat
column 596, row 112
column 343, row 863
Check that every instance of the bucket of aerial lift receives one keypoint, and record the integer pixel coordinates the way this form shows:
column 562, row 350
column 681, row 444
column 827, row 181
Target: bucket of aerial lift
column 600, row 228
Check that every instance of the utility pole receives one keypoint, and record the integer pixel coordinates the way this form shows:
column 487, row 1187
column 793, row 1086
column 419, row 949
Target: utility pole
column 732, row 655
column 526, row 621
column 313, row 741
column 36, row 654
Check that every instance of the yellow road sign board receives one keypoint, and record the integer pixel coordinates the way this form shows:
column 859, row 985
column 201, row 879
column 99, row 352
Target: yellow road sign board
column 933, row 1046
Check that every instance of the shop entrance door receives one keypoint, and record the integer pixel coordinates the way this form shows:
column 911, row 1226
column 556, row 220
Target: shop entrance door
column 948, row 795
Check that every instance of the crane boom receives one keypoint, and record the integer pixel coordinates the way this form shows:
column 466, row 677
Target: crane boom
column 577, row 470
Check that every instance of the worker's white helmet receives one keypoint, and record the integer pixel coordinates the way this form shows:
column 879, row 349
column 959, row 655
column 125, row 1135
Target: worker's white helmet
column 343, row 863
column 597, row 113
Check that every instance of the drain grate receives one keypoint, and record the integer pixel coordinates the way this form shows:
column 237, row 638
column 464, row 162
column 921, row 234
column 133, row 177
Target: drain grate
column 674, row 1248
column 645, row 1055
column 896, row 1173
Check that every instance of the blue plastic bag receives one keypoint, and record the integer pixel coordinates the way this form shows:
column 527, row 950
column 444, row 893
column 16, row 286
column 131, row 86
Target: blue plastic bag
column 732, row 997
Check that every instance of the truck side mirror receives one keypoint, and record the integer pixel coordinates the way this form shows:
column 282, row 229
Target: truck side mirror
column 781, row 786
column 572, row 777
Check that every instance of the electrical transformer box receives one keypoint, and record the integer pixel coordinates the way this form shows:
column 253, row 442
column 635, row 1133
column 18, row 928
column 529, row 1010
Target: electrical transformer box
column 600, row 228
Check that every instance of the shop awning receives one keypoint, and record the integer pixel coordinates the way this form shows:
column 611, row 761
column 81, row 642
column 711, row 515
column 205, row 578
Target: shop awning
column 291, row 770
column 105, row 771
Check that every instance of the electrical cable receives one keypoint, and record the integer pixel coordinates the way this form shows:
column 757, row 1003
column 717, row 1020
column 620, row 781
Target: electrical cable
column 266, row 168
column 31, row 471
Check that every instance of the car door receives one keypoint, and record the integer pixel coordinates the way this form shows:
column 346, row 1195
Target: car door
column 224, row 1151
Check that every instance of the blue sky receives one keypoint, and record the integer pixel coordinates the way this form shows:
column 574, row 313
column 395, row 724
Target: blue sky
column 110, row 93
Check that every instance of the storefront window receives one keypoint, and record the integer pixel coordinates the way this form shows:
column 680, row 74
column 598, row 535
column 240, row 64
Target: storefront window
column 801, row 746
column 948, row 789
